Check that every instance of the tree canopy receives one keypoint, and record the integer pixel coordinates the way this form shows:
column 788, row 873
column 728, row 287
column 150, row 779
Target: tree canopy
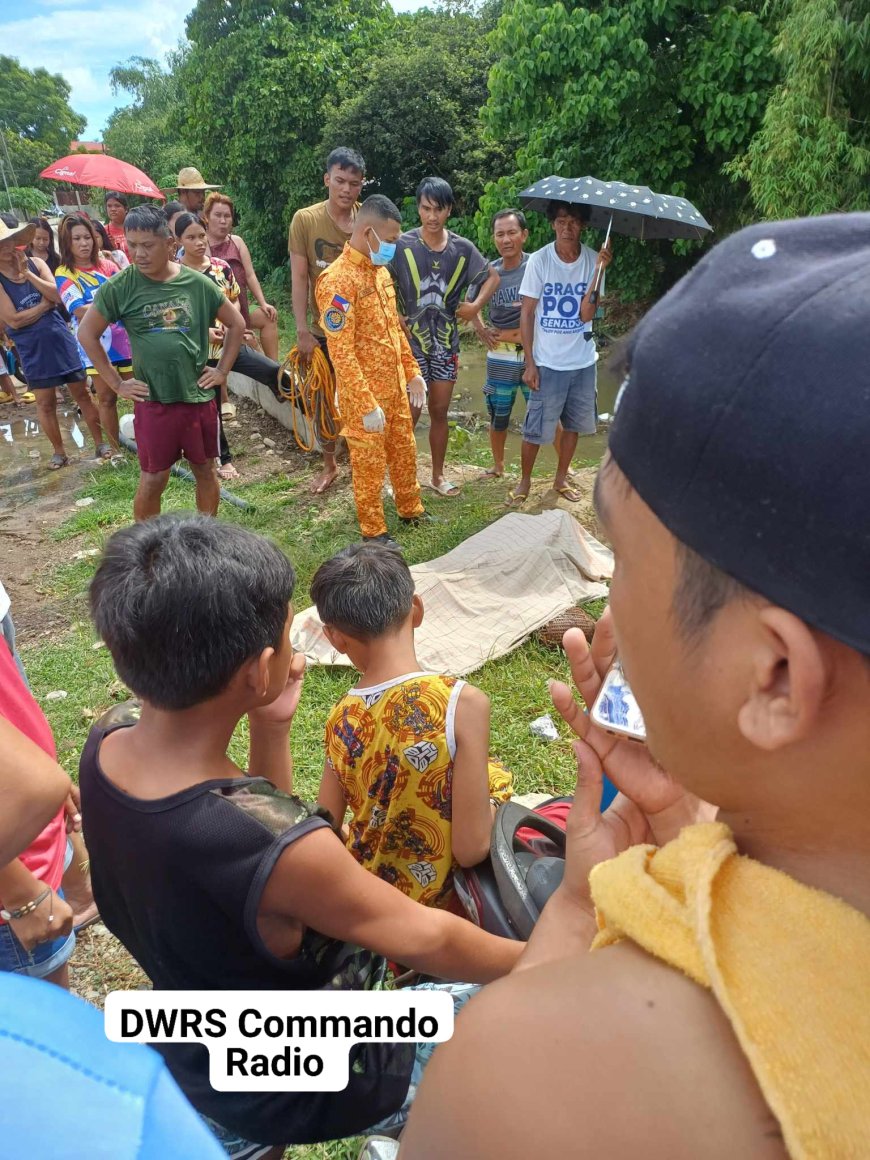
column 37, row 122
column 812, row 152
column 148, row 133
column 657, row 92
column 750, row 108
column 255, row 86
column 414, row 108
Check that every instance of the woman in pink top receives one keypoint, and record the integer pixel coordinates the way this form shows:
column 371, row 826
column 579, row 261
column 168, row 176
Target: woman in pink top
column 218, row 215
column 36, row 924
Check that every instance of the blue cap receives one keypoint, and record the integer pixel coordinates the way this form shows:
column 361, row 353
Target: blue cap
column 744, row 422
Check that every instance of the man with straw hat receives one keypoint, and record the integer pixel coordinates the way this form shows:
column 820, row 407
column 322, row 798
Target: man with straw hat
column 191, row 189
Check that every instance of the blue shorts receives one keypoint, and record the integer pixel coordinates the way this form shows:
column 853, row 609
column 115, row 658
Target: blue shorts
column 569, row 397
column 45, row 958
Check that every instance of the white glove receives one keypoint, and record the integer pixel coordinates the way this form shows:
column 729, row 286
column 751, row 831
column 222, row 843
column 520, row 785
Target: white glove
column 375, row 420
column 417, row 391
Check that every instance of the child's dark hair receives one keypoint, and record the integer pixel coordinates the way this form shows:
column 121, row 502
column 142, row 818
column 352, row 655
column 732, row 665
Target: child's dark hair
column 183, row 601
column 364, row 591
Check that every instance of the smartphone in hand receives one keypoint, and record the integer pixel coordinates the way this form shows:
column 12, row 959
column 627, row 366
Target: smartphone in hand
column 615, row 709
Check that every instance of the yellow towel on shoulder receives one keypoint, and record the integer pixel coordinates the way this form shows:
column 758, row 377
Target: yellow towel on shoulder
column 789, row 965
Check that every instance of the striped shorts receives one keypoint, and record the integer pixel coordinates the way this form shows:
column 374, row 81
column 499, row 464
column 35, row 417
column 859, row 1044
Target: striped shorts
column 504, row 376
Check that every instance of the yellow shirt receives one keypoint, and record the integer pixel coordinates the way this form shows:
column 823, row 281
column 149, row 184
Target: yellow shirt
column 392, row 748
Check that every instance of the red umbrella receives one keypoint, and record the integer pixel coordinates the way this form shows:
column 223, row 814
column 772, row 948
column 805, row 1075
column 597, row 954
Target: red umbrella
column 100, row 170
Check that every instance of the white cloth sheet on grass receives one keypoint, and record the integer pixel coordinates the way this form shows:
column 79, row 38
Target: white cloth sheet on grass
column 490, row 593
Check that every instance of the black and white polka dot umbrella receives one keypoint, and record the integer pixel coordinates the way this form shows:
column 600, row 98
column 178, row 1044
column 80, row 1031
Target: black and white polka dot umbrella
column 632, row 210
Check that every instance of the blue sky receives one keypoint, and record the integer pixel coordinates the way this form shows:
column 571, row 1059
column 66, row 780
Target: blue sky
column 84, row 39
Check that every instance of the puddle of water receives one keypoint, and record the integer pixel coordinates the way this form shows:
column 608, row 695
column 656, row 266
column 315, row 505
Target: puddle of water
column 468, row 397
column 24, row 476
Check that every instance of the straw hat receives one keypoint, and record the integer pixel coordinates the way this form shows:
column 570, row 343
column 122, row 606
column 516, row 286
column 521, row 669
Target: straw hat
column 191, row 178
column 23, row 234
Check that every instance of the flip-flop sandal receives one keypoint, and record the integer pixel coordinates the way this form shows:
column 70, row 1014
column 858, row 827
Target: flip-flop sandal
column 104, row 451
column 515, row 498
column 568, row 493
column 57, row 462
column 445, row 488
column 227, row 471
column 490, row 474
column 27, row 397
column 95, row 917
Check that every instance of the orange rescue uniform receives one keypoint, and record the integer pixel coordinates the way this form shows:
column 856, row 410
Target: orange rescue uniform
column 373, row 363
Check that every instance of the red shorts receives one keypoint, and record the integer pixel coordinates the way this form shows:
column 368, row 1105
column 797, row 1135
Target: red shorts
column 166, row 431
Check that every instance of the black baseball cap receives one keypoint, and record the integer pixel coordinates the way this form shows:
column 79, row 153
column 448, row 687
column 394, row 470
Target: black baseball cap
column 744, row 420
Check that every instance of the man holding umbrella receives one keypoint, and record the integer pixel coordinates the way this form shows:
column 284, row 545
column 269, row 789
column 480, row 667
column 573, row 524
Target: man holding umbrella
column 559, row 295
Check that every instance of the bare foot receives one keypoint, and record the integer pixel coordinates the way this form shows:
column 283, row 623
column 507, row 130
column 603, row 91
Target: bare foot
column 323, row 481
column 227, row 471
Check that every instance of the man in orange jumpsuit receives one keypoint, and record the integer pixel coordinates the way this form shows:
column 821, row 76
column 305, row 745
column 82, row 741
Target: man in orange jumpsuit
column 375, row 371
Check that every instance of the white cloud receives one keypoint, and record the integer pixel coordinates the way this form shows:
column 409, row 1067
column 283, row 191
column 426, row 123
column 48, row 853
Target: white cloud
column 83, row 44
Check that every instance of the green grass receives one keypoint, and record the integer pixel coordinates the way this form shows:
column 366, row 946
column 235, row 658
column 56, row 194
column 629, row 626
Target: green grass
column 309, row 531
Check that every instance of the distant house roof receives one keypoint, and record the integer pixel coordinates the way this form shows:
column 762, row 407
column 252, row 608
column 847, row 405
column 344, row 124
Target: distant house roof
column 88, row 146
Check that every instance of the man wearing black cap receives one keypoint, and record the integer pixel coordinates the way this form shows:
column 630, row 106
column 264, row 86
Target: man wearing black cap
column 735, row 495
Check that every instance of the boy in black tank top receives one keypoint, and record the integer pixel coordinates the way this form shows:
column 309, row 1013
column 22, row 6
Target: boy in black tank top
column 215, row 879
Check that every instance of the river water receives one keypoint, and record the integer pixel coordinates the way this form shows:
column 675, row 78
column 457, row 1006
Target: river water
column 468, row 399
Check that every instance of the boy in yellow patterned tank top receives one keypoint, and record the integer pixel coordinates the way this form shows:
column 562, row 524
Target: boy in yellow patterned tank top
column 407, row 752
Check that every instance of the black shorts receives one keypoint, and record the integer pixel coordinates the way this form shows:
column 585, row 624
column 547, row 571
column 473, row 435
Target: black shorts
column 79, row 376
column 321, row 342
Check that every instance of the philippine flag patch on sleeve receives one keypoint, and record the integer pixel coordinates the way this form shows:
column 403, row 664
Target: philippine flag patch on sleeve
column 341, row 304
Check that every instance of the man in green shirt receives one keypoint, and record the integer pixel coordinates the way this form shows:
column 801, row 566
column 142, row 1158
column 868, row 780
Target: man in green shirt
column 167, row 310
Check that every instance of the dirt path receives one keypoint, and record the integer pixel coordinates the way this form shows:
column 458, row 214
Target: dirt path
column 34, row 500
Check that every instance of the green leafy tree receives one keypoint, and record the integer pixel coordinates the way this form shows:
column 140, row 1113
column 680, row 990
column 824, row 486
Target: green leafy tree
column 658, row 92
column 148, row 132
column 28, row 200
column 37, row 123
column 812, row 152
column 255, row 84
column 414, row 109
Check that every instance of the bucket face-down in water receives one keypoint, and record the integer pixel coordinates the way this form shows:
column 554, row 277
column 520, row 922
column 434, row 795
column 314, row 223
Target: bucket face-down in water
column 127, row 427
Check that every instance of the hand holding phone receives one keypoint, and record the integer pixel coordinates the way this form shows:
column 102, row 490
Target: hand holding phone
column 615, row 708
